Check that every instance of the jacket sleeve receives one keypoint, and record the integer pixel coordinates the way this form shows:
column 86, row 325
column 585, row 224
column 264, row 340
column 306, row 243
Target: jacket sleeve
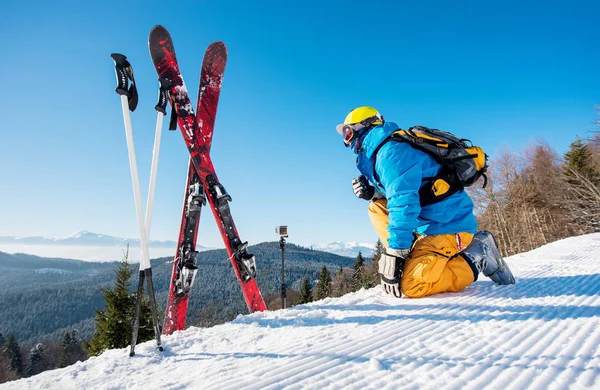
column 399, row 168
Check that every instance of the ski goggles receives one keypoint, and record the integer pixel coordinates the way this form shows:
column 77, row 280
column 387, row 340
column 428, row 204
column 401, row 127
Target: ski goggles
column 351, row 131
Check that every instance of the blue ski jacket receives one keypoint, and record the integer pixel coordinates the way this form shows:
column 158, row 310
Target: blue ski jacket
column 401, row 170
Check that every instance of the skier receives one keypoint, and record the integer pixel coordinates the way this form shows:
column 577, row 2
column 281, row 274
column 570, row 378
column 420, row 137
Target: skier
column 428, row 249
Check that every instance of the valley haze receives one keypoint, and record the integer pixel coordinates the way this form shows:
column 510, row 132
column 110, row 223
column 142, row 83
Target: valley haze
column 88, row 246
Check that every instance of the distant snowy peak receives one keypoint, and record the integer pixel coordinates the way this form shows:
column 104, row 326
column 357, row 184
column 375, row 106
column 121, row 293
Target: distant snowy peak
column 83, row 237
column 86, row 238
column 79, row 234
column 348, row 249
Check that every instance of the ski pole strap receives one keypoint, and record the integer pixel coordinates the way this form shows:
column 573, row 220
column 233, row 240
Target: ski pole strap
column 124, row 73
column 173, row 121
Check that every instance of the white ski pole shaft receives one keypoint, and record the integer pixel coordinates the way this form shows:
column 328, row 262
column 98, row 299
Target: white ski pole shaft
column 153, row 172
column 145, row 260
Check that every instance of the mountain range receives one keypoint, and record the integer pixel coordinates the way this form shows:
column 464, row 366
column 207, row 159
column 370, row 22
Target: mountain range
column 42, row 297
column 89, row 246
column 85, row 238
column 347, row 249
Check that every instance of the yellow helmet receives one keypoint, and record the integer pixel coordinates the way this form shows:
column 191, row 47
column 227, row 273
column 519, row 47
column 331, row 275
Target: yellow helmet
column 362, row 113
column 358, row 119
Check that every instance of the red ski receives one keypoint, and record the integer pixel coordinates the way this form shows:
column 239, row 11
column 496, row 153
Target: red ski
column 184, row 264
column 198, row 142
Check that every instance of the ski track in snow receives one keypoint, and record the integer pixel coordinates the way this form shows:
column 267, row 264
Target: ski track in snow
column 542, row 333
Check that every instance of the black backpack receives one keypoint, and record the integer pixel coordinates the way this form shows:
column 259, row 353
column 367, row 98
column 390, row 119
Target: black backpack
column 462, row 163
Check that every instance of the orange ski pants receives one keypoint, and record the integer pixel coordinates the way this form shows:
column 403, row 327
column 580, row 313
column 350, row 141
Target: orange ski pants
column 432, row 266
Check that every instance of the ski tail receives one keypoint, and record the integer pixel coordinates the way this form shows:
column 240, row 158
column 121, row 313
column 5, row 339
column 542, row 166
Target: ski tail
column 176, row 310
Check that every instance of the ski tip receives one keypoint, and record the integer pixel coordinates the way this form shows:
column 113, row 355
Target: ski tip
column 218, row 45
column 158, row 27
column 215, row 49
column 158, row 32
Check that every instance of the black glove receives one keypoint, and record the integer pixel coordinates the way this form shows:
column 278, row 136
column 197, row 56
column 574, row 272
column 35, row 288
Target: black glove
column 363, row 189
column 391, row 266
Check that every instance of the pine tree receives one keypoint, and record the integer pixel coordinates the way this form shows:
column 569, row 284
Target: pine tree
column 13, row 353
column 371, row 274
column 358, row 274
column 579, row 159
column 379, row 249
column 114, row 323
column 1, row 340
column 66, row 350
column 359, row 262
column 36, row 357
column 305, row 292
column 323, row 289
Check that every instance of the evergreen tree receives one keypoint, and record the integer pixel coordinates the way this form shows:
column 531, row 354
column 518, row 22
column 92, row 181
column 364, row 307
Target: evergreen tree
column 13, row 353
column 323, row 289
column 66, row 350
column 371, row 274
column 114, row 323
column 379, row 249
column 358, row 274
column 359, row 262
column 305, row 292
column 1, row 340
column 579, row 159
column 36, row 358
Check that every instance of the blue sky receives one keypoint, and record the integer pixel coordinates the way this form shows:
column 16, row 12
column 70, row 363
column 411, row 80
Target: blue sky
column 500, row 73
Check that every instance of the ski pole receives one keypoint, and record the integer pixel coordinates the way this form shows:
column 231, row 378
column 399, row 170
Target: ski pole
column 124, row 73
column 129, row 99
column 145, row 265
column 161, row 108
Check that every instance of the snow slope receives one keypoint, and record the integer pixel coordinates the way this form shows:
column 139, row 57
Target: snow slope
column 542, row 333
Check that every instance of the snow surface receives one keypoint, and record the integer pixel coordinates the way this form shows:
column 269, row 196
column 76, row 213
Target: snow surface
column 542, row 333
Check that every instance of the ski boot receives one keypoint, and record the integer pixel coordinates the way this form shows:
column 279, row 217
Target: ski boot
column 483, row 253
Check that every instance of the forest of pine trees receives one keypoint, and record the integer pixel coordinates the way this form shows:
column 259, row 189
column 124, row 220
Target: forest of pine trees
column 112, row 332
column 17, row 361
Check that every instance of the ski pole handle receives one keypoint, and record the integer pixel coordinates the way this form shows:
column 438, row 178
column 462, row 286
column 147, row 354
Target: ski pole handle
column 121, row 64
column 163, row 93
column 124, row 73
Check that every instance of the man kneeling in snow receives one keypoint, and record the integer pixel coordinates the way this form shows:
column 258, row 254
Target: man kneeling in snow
column 429, row 249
